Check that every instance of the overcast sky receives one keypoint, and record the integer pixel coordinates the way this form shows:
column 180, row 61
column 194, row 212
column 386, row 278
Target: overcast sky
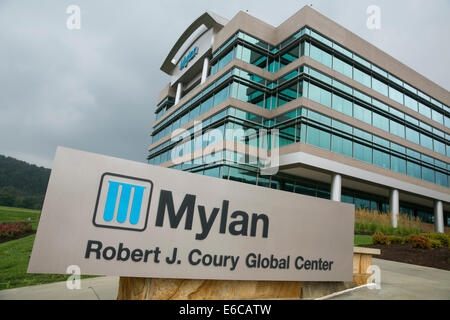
column 95, row 89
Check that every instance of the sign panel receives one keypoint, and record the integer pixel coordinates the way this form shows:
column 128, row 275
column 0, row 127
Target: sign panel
column 110, row 216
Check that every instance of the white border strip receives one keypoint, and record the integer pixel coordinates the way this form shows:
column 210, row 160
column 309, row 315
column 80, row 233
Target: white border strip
column 345, row 291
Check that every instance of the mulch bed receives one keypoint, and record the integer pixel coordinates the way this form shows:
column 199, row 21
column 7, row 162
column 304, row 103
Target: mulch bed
column 18, row 237
column 434, row 258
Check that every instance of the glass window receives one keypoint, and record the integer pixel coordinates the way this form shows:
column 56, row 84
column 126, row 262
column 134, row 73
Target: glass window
column 225, row 59
column 320, row 56
column 342, row 146
column 426, row 141
column 343, row 67
column 381, row 159
column 320, row 118
column 362, row 114
column 206, row 105
column 397, row 128
column 342, row 87
column 342, row 105
column 424, row 110
column 362, row 77
column 320, row 76
column 362, row 61
column 428, row 174
column 398, row 164
column 379, row 86
column 342, row 50
column 319, row 95
column 318, row 138
column 441, row 179
column 413, row 169
column 379, row 71
column 411, row 103
column 380, row 122
column 412, row 135
column 221, row 96
column 395, row 95
column 289, row 56
column 439, row 147
column 437, row 116
column 362, row 152
column 287, row 95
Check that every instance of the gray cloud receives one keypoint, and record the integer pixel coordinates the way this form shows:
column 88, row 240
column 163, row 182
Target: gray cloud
column 95, row 89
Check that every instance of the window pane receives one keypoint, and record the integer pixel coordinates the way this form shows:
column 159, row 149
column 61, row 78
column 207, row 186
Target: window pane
column 426, row 141
column 412, row 135
column 424, row 110
column 437, row 116
column 319, row 95
column 380, row 122
column 362, row 77
column 414, row 170
column 362, row 114
column 320, row 56
column 428, row 174
column 396, row 95
column 411, row 103
column 398, row 164
column 381, row 159
column 397, row 129
column 362, row 152
column 342, row 105
column 342, row 67
column 342, row 146
column 379, row 87
column 318, row 138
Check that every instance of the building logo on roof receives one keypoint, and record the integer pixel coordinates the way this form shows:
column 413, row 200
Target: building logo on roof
column 189, row 57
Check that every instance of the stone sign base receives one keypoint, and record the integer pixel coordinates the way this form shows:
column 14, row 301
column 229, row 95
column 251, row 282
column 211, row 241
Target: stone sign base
column 186, row 289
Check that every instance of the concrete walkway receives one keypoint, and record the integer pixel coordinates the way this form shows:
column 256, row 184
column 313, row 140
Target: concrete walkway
column 399, row 281
column 101, row 288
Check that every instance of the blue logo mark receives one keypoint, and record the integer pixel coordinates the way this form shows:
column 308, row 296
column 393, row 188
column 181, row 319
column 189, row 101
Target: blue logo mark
column 122, row 202
column 189, row 57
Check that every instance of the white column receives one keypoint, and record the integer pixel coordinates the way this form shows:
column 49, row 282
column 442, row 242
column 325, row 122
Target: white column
column 438, row 216
column 179, row 91
column 394, row 206
column 336, row 184
column 205, row 70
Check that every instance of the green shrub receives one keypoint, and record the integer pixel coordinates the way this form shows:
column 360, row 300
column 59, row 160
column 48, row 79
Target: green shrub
column 435, row 244
column 419, row 241
column 444, row 239
column 380, row 238
column 396, row 239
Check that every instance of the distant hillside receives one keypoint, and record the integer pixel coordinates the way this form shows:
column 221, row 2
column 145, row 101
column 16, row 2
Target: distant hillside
column 22, row 184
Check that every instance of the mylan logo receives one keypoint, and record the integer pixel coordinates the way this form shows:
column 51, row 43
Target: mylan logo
column 122, row 202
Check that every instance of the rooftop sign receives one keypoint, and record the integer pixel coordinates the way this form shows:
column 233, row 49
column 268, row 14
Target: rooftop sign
column 184, row 62
column 110, row 216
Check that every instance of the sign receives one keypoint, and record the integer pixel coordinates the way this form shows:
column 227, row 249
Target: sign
column 189, row 57
column 110, row 216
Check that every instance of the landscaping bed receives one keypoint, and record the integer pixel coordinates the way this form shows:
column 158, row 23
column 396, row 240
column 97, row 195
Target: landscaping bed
column 12, row 231
column 438, row 258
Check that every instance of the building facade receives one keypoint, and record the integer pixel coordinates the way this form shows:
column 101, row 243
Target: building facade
column 354, row 124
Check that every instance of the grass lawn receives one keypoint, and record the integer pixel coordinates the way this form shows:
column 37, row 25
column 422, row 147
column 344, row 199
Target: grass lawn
column 14, row 257
column 15, row 254
column 361, row 239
